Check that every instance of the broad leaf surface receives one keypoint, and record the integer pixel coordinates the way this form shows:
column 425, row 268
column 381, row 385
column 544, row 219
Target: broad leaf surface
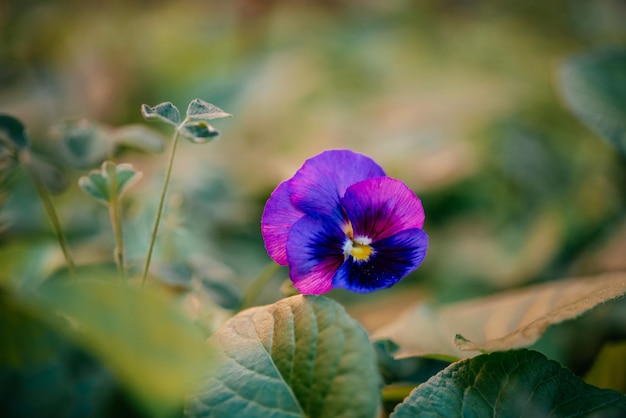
column 138, row 332
column 198, row 109
column 300, row 357
column 165, row 112
column 13, row 130
column 594, row 87
column 198, row 132
column 508, row 320
column 509, row 384
column 42, row 374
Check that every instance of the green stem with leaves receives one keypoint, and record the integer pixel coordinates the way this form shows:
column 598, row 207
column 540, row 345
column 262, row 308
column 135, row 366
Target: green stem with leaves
column 44, row 195
column 157, row 219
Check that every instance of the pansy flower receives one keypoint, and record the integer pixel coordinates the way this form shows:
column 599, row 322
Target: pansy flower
column 340, row 222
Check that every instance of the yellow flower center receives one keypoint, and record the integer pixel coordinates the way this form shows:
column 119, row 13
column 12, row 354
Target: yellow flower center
column 357, row 247
column 361, row 252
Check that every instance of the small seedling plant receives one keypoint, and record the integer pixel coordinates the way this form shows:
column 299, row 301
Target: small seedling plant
column 151, row 337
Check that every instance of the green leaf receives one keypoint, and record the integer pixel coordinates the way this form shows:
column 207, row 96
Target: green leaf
column 198, row 132
column 37, row 362
column 82, row 143
column 111, row 177
column 139, row 333
column 594, row 87
column 509, row 384
column 508, row 320
column 300, row 357
column 200, row 110
column 13, row 130
column 165, row 112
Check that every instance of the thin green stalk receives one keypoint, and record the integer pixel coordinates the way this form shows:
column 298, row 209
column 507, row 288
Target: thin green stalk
column 255, row 287
column 155, row 228
column 116, row 223
column 44, row 195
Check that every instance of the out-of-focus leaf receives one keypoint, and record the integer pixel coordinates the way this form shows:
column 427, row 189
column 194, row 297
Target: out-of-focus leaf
column 139, row 333
column 509, row 384
column 111, row 176
column 198, row 132
column 29, row 365
column 165, row 112
column 49, row 174
column 82, row 143
column 508, row 320
column 594, row 87
column 13, row 130
column 43, row 374
column 609, row 369
column 198, row 109
column 300, row 357
column 24, row 339
column 138, row 137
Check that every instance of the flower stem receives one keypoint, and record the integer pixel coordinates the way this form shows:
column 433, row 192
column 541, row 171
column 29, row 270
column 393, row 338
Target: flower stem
column 44, row 195
column 155, row 228
column 255, row 287
column 116, row 223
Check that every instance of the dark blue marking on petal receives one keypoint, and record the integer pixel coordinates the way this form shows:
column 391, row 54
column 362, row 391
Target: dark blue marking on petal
column 393, row 259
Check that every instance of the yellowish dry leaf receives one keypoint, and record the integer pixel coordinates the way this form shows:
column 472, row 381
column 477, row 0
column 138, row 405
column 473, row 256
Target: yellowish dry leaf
column 505, row 321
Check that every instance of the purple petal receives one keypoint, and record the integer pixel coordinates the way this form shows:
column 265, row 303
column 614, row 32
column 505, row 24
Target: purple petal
column 393, row 259
column 314, row 251
column 278, row 217
column 381, row 207
column 318, row 186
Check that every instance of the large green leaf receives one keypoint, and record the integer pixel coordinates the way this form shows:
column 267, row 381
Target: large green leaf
column 509, row 384
column 42, row 374
column 144, row 338
column 504, row 321
column 300, row 357
column 594, row 87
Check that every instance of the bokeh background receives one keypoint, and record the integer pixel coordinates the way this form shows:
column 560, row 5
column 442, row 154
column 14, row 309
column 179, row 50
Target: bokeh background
column 457, row 98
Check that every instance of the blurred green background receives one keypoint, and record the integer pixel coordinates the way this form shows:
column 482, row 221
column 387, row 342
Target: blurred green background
column 458, row 99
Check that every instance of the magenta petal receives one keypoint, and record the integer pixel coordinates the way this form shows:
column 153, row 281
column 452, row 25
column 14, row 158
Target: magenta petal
column 393, row 259
column 314, row 251
column 381, row 207
column 318, row 186
column 278, row 217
